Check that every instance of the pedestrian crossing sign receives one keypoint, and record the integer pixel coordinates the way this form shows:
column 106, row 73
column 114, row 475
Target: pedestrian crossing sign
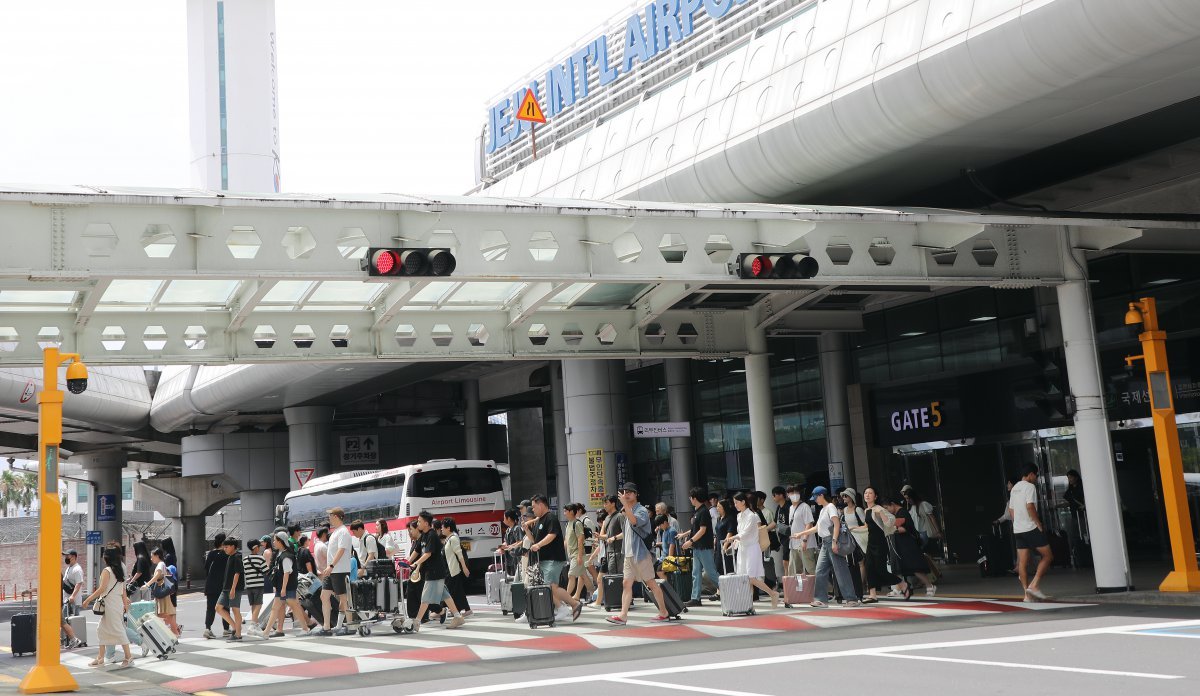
column 530, row 109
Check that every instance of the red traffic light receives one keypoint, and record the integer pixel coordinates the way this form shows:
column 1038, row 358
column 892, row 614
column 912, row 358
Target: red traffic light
column 776, row 266
column 755, row 266
column 409, row 262
column 384, row 262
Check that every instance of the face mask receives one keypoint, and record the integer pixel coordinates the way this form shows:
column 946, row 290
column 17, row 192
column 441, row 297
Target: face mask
column 794, row 498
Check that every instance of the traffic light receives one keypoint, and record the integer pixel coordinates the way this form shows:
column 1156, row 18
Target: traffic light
column 409, row 262
column 775, row 266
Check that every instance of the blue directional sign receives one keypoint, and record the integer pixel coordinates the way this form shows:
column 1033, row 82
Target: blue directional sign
column 93, row 538
column 106, row 508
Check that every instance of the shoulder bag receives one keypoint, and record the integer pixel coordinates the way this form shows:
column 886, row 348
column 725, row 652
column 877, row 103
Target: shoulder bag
column 98, row 606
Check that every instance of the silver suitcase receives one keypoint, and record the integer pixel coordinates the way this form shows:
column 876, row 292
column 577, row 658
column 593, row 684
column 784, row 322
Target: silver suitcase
column 79, row 626
column 157, row 635
column 387, row 595
column 737, row 599
column 492, row 582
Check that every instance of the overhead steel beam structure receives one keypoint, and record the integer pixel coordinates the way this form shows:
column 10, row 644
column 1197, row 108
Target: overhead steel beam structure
column 184, row 277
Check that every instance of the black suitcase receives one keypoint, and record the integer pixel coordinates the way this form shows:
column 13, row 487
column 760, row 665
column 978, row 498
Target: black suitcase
column 24, row 634
column 675, row 607
column 995, row 553
column 540, row 606
column 1061, row 548
column 612, row 591
column 363, row 595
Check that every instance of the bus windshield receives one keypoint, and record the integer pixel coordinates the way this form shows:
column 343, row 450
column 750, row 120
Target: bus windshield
column 447, row 483
column 368, row 500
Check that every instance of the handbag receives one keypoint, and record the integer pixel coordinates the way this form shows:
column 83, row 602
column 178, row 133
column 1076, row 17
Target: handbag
column 98, row 606
column 764, row 538
column 162, row 589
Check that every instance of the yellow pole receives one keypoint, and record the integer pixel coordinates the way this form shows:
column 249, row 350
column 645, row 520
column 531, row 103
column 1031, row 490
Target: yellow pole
column 48, row 674
column 1185, row 577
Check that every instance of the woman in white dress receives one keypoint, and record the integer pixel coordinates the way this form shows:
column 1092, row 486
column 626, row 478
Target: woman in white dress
column 112, row 622
column 749, row 555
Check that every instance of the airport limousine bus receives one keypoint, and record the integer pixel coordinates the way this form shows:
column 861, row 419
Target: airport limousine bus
column 470, row 491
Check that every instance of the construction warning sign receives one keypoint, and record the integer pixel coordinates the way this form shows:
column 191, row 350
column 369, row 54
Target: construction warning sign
column 530, row 109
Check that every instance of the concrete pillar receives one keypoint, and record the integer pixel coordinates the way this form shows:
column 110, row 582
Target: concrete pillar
column 834, row 375
column 258, row 512
column 679, row 410
column 762, row 415
column 104, row 468
column 194, row 540
column 473, row 420
column 558, row 423
column 1096, row 467
column 310, row 434
column 597, row 417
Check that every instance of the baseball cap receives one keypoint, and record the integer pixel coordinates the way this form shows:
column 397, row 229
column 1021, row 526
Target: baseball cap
column 628, row 486
column 71, row 552
column 819, row 490
column 526, row 502
column 284, row 537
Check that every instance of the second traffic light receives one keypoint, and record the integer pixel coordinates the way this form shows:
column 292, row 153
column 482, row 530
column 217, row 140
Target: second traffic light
column 409, row 262
column 776, row 266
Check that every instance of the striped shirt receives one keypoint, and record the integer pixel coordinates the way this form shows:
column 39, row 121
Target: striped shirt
column 256, row 570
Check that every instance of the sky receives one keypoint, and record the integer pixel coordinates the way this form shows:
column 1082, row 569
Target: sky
column 374, row 95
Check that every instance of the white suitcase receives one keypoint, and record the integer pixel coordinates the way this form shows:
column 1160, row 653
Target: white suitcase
column 79, row 626
column 157, row 635
column 737, row 598
column 492, row 582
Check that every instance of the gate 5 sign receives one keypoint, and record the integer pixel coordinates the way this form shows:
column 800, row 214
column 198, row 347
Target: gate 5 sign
column 919, row 418
column 359, row 450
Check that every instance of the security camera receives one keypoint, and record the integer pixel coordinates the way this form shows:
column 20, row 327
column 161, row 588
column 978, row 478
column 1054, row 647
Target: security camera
column 77, row 377
column 214, row 483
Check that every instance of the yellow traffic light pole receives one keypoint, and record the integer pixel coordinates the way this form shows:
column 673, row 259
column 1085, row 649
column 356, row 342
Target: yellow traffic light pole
column 1185, row 577
column 48, row 675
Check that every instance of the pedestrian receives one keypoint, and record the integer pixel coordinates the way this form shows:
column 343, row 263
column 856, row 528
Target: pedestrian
column 780, row 531
column 927, row 527
column 908, row 560
column 668, row 544
column 511, row 546
column 549, row 549
column 578, row 579
column 229, row 603
column 835, row 545
column 304, row 556
column 431, row 567
column 880, row 524
column 286, row 571
column 745, row 544
column 665, row 510
column 368, row 546
column 268, row 544
column 72, row 587
column 858, row 532
column 1029, row 532
column 637, row 565
column 700, row 540
column 802, row 559
column 111, row 630
column 214, row 578
column 142, row 570
column 726, row 527
column 337, row 571
column 596, row 563
column 255, row 567
column 387, row 545
column 163, row 605
column 456, row 563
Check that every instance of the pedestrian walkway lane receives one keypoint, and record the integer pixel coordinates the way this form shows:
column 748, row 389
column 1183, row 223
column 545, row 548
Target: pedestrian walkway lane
column 204, row 665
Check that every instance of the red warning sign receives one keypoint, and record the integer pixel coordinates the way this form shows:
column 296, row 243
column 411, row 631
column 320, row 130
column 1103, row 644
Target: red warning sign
column 304, row 475
column 530, row 109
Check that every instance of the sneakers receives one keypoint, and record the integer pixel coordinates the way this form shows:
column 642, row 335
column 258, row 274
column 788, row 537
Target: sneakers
column 563, row 613
column 320, row 631
column 341, row 631
column 617, row 621
column 224, row 634
column 852, row 604
column 74, row 643
column 208, row 634
column 931, row 591
column 279, row 634
column 456, row 622
column 233, row 639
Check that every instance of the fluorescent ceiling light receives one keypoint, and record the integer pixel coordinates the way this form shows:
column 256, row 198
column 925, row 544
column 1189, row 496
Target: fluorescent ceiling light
column 1163, row 281
column 985, row 318
column 911, row 334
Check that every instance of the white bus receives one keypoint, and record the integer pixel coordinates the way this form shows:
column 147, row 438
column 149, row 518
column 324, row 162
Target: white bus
column 470, row 491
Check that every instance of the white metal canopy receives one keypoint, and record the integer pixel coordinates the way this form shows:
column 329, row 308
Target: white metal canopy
column 152, row 277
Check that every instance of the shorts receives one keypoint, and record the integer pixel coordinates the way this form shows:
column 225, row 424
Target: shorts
column 551, row 571
column 434, row 591
column 1033, row 539
column 339, row 583
column 577, row 570
column 285, row 595
column 230, row 603
column 643, row 570
column 68, row 610
column 255, row 596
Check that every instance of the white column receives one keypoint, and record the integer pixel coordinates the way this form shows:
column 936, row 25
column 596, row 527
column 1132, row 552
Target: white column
column 310, row 434
column 679, row 410
column 473, row 421
column 1109, row 554
column 832, row 361
column 762, row 416
column 596, row 418
column 558, row 423
column 258, row 512
column 104, row 468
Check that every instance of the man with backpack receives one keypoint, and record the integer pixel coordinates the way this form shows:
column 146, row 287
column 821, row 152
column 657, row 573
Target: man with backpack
column 369, row 544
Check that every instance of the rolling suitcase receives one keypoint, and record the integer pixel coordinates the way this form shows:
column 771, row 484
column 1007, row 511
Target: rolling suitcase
column 387, row 596
column 362, row 596
column 24, row 634
column 155, row 634
column 79, row 626
column 612, row 591
column 797, row 589
column 674, row 609
column 736, row 597
column 995, row 553
column 682, row 582
column 513, row 599
column 540, row 606
column 492, row 581
column 139, row 609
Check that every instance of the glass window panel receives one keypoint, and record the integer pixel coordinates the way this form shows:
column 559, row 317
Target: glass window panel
column 287, row 291
column 783, row 375
column 126, row 489
column 784, row 397
column 711, row 437
column 1112, row 276
column 433, row 292
column 871, row 365
column 788, row 427
column 709, row 397
column 916, row 357
column 874, row 331
column 1155, row 270
column 611, row 295
column 660, row 405
column 199, row 292
column 346, row 292
column 812, row 420
column 569, row 295
column 808, row 379
column 44, row 297
column 736, row 432
column 1013, row 340
column 733, row 394
column 495, row 293
column 916, row 319
column 974, row 346
column 965, row 307
column 131, row 291
column 641, row 409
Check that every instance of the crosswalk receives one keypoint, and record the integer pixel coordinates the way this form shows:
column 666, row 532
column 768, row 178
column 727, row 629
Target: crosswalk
column 205, row 665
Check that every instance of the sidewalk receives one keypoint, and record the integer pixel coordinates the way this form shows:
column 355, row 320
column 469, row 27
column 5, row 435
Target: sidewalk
column 1064, row 584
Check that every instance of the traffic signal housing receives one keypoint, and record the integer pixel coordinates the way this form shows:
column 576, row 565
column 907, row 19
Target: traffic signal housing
column 775, row 266
column 409, row 262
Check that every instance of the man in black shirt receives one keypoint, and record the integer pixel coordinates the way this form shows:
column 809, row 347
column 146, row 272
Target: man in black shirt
column 549, row 549
column 432, row 567
column 229, row 603
column 700, row 541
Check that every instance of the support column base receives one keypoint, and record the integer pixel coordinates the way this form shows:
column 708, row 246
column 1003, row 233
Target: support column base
column 48, row 679
column 1181, row 581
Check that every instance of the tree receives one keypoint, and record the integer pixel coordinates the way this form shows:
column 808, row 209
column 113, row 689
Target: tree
column 10, row 484
column 28, row 492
